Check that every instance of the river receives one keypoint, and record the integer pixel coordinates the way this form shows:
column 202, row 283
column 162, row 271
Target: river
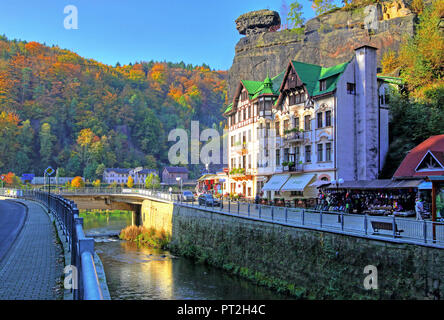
column 135, row 273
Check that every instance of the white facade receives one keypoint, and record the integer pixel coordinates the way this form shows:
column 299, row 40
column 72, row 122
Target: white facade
column 337, row 134
column 120, row 176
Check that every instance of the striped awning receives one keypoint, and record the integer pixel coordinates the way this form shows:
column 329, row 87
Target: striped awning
column 297, row 182
column 276, row 182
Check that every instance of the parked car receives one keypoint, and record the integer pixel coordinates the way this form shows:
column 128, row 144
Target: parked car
column 208, row 200
column 187, row 196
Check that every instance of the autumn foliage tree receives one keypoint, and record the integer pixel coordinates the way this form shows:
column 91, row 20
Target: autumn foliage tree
column 130, row 182
column 78, row 182
column 59, row 109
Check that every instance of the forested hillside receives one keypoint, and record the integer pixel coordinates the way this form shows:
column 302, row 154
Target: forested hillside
column 79, row 115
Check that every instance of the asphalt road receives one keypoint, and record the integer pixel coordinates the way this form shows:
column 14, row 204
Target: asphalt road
column 12, row 218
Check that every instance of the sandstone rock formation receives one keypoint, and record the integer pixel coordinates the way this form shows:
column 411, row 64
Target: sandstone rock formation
column 395, row 9
column 258, row 22
column 328, row 39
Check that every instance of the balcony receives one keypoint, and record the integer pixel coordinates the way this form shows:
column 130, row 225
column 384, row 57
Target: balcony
column 292, row 167
column 239, row 148
column 294, row 136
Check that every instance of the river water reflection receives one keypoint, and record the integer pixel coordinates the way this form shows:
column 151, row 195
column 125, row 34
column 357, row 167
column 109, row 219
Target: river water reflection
column 149, row 274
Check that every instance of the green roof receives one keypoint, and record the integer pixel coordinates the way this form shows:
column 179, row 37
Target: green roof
column 251, row 86
column 229, row 108
column 269, row 86
column 311, row 74
column 393, row 80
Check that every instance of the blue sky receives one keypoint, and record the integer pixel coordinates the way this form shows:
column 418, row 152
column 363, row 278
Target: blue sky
column 110, row 31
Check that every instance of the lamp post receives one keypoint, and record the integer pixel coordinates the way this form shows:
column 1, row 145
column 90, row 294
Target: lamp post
column 136, row 175
column 180, row 179
column 49, row 171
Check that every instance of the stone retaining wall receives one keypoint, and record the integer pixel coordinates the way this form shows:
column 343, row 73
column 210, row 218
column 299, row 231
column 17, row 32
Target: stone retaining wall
column 305, row 263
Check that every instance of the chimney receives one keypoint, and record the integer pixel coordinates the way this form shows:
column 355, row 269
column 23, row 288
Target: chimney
column 367, row 112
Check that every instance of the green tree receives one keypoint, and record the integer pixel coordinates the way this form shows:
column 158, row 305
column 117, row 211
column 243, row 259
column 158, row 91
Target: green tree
column 100, row 169
column 421, row 56
column 295, row 20
column 414, row 121
column 152, row 181
column 322, row 6
column 25, row 139
column 47, row 140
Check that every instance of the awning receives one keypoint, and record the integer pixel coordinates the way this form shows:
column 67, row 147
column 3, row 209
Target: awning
column 208, row 177
column 297, row 182
column 404, row 184
column 276, row 182
column 376, row 184
column 319, row 183
column 425, row 186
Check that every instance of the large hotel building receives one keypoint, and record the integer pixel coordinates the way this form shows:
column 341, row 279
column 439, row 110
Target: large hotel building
column 307, row 126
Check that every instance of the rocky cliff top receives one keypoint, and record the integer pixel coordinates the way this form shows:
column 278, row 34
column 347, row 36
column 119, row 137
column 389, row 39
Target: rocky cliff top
column 258, row 22
column 327, row 40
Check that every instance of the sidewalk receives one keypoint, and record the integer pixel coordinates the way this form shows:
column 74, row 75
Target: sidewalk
column 33, row 267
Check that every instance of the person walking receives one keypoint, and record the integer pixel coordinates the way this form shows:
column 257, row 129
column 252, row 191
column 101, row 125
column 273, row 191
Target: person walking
column 419, row 208
column 257, row 200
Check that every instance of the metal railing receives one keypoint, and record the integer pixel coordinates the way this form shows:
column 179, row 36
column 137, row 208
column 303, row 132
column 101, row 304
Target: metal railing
column 422, row 232
column 81, row 248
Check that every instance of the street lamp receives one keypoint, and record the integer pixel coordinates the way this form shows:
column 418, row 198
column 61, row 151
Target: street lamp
column 180, row 179
column 136, row 175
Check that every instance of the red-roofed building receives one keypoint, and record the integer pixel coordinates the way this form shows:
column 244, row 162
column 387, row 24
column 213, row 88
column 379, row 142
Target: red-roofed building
column 426, row 159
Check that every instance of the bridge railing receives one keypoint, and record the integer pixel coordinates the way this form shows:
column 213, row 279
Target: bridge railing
column 413, row 231
column 85, row 285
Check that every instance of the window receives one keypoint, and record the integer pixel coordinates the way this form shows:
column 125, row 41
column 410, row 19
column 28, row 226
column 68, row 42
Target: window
column 278, row 157
column 232, row 141
column 322, row 85
column 277, row 127
column 328, row 151
column 244, row 96
column 320, row 152
column 297, row 154
column 307, row 123
column 291, row 100
column 286, row 124
column 267, row 129
column 319, row 117
column 249, row 191
column 244, row 114
column 296, row 123
column 249, row 161
column 286, row 151
column 307, row 153
column 328, row 118
column 351, row 88
column 297, row 193
column 249, row 135
column 297, row 99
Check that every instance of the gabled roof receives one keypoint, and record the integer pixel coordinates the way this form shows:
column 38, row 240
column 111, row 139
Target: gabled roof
column 311, row 74
column 269, row 87
column 407, row 168
column 251, row 86
column 176, row 169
